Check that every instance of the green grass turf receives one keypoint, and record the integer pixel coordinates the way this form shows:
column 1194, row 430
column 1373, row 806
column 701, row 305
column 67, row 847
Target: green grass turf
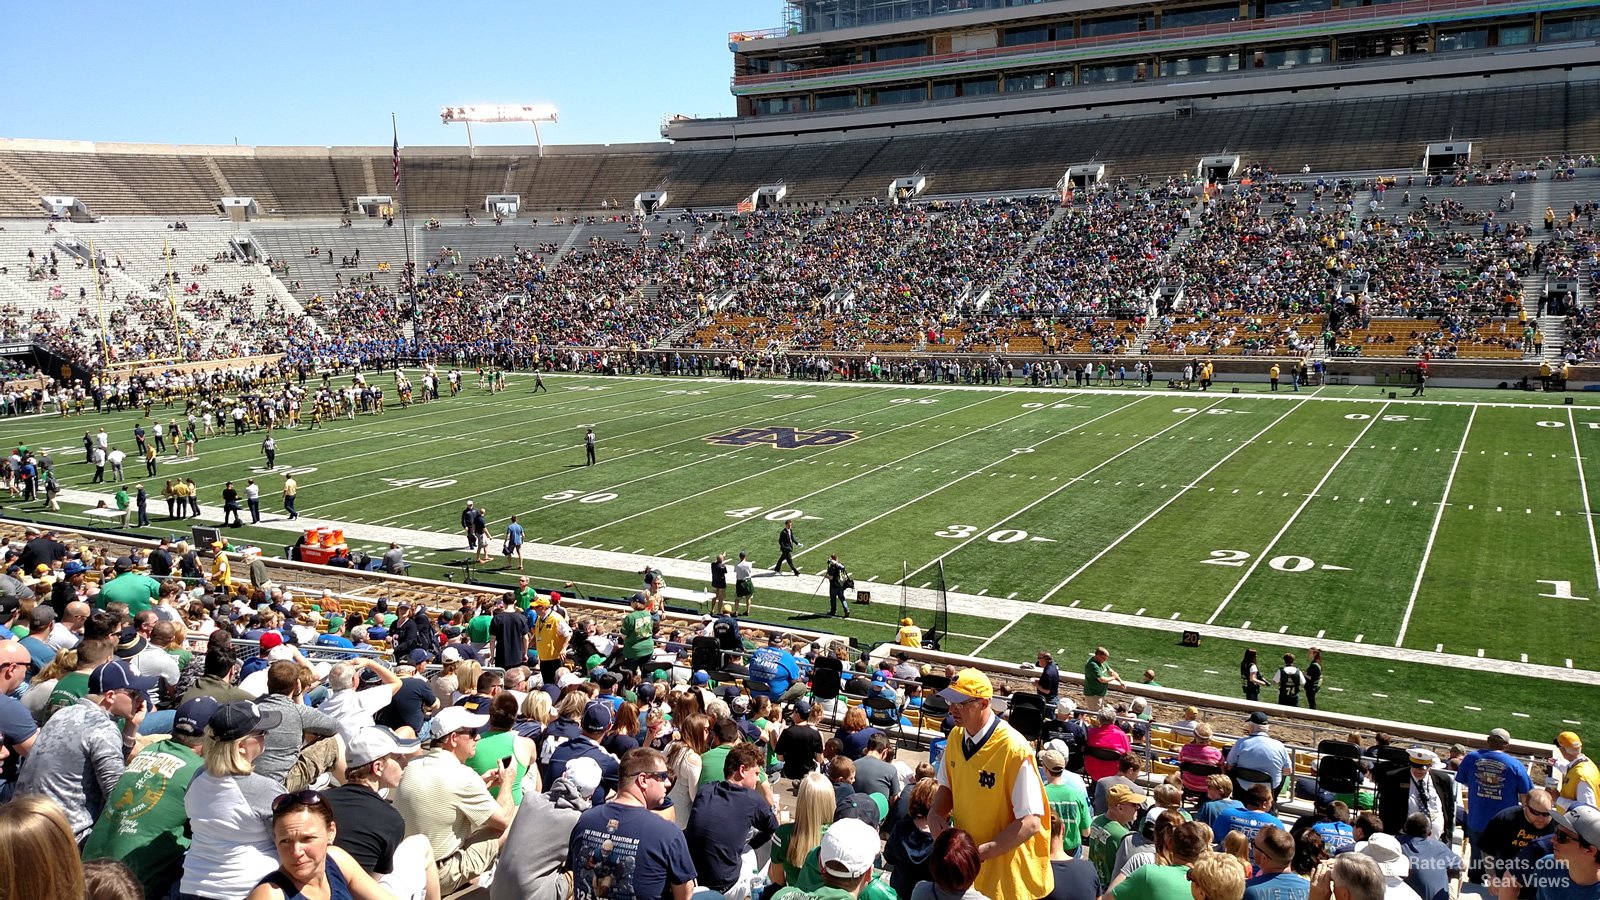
column 1306, row 514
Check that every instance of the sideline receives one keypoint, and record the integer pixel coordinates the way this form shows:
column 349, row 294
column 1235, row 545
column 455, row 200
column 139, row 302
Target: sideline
column 1069, row 391
column 694, row 572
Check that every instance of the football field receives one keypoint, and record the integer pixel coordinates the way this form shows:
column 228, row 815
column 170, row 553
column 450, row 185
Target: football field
column 1442, row 550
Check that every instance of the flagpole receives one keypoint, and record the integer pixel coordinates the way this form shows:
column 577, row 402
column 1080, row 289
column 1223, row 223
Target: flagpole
column 408, row 277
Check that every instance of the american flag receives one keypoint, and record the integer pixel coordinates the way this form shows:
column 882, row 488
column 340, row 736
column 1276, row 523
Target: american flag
column 397, row 160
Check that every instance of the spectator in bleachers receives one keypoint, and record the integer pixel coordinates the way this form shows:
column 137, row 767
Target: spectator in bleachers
column 1250, row 820
column 230, row 807
column 1385, row 851
column 531, row 868
column 1105, row 745
column 1199, row 750
column 1578, row 776
column 990, row 787
column 1129, row 765
column 151, row 836
column 1107, row 830
column 1217, row 876
column 1492, row 781
column 1273, row 850
column 83, row 749
column 1350, row 876
column 1258, row 758
column 1067, row 799
column 449, row 804
column 1511, row 831
column 1433, row 866
column 731, row 820
column 622, row 849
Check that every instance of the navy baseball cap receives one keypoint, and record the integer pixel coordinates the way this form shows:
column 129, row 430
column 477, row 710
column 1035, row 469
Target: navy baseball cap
column 118, row 676
column 597, row 716
column 193, row 715
column 241, row 718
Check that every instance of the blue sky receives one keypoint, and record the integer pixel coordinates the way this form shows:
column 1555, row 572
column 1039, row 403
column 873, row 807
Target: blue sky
column 328, row 74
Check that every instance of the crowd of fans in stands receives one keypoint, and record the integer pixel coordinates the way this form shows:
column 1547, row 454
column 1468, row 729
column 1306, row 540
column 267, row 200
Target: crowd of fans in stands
column 194, row 737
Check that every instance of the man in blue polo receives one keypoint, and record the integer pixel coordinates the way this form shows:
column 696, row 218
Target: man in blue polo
column 775, row 665
column 1256, row 754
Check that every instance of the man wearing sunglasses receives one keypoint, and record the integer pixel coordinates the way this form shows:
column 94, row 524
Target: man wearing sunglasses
column 630, row 848
column 989, row 786
column 17, row 728
column 444, row 800
column 1510, row 831
column 85, row 739
column 1577, row 849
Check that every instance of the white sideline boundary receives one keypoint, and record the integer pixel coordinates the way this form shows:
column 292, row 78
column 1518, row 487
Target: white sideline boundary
column 1583, row 485
column 1433, row 532
column 804, row 586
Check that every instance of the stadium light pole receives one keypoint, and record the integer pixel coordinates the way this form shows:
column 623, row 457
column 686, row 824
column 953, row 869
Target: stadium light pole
column 496, row 114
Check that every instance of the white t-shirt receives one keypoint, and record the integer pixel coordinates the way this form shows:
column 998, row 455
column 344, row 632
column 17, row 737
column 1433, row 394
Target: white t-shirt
column 232, row 848
column 355, row 709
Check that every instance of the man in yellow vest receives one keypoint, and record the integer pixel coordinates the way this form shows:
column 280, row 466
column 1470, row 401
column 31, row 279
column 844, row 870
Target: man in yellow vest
column 909, row 634
column 989, row 786
column 1580, row 778
column 551, row 634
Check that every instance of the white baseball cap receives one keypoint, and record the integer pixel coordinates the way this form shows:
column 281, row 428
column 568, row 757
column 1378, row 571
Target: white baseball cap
column 1385, row 850
column 849, row 848
column 453, row 719
column 374, row 742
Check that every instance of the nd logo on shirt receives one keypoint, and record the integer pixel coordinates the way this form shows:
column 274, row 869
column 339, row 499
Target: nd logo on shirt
column 986, row 779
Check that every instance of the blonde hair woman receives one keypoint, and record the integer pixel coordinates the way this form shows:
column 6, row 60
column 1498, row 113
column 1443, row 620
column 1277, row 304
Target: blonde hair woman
column 230, row 806
column 535, row 714
column 793, row 841
column 1217, row 876
column 683, row 758
column 38, row 854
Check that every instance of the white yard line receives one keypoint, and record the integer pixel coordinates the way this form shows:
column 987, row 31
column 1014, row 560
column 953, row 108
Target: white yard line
column 920, row 498
column 1169, row 501
column 1064, row 485
column 879, row 467
column 1583, row 484
column 1256, row 562
column 576, row 447
column 291, row 444
column 769, row 471
column 1433, row 532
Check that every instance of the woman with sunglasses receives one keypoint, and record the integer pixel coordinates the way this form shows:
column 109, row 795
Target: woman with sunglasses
column 230, row 807
column 309, row 866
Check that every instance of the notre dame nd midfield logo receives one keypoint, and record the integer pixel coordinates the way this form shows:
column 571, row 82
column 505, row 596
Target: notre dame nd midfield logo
column 783, row 437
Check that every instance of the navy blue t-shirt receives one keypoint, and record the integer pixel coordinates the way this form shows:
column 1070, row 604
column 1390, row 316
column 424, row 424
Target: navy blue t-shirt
column 621, row 852
column 726, row 819
column 407, row 706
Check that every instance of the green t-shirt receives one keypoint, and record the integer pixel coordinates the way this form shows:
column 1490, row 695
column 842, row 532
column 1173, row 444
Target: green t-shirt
column 478, row 628
column 121, row 497
column 1105, row 835
column 182, row 656
column 525, row 597
column 69, row 689
column 809, row 879
column 1092, row 685
column 19, row 631
column 1069, row 802
column 638, row 635
column 131, row 588
column 780, row 851
column 144, row 821
column 711, row 763
column 1154, row 882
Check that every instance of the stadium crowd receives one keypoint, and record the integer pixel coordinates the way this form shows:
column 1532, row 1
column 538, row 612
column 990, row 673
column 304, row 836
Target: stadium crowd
column 173, row 734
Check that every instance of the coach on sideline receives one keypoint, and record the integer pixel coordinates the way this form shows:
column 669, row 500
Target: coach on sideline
column 989, row 787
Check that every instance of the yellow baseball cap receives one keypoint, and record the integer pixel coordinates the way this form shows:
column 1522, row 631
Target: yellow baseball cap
column 906, row 621
column 1569, row 740
column 969, row 684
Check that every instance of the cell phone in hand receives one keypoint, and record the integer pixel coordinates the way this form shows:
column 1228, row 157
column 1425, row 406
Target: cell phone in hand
column 506, row 761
